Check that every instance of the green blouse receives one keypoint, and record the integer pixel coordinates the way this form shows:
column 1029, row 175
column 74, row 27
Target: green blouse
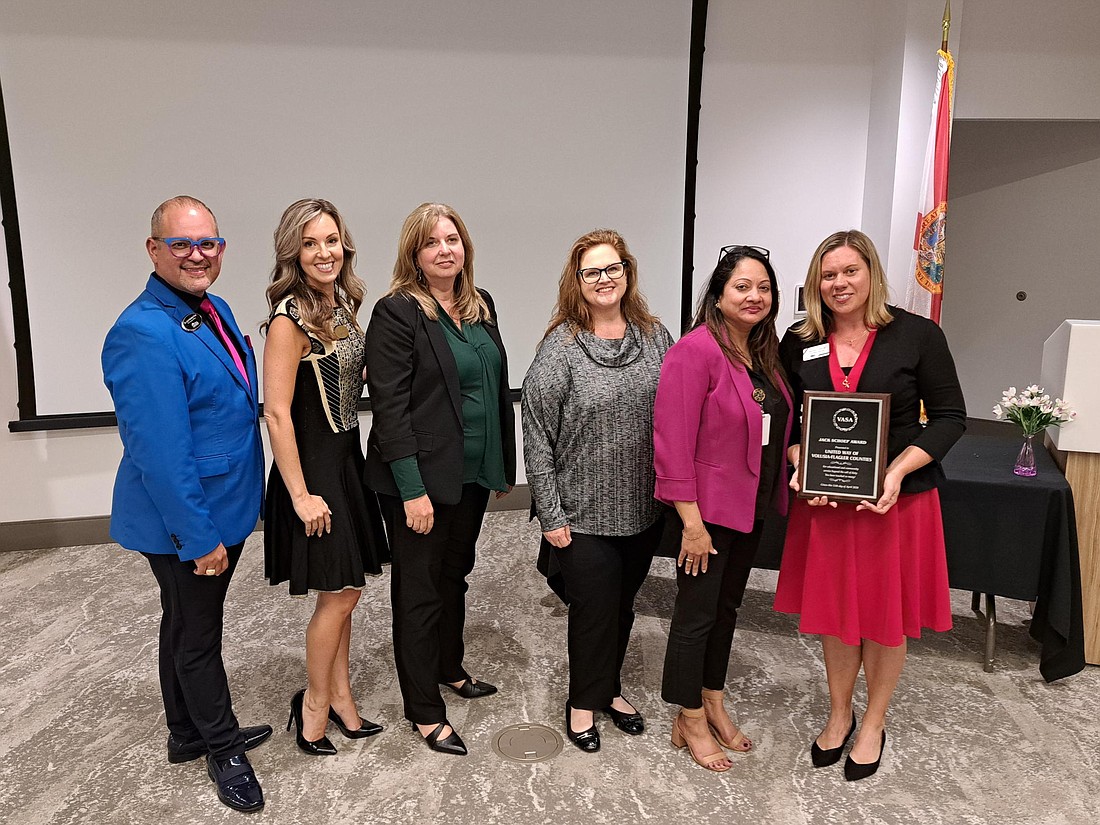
column 478, row 361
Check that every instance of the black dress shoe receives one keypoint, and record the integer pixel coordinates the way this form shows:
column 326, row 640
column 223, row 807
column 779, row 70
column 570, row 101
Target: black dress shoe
column 587, row 740
column 318, row 747
column 472, row 690
column 854, row 771
column 452, row 744
column 631, row 723
column 237, row 784
column 822, row 757
column 366, row 726
column 178, row 752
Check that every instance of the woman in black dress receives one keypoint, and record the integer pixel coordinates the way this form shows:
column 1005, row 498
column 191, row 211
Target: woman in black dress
column 322, row 530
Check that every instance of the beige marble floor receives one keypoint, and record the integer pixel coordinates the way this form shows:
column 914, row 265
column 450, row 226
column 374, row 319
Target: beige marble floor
column 82, row 733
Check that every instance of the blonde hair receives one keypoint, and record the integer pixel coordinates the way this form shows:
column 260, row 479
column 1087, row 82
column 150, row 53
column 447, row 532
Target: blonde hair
column 408, row 280
column 571, row 307
column 288, row 279
column 818, row 322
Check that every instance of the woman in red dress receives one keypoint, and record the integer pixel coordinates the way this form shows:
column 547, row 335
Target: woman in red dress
column 868, row 576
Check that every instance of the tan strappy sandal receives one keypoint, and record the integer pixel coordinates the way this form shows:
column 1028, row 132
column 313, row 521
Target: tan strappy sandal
column 679, row 740
column 740, row 743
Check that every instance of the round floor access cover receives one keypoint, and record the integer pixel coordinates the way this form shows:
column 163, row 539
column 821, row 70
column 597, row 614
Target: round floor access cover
column 527, row 743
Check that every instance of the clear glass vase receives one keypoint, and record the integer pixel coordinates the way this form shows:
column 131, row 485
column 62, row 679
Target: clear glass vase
column 1025, row 461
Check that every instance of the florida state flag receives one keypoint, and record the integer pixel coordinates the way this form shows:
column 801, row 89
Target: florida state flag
column 925, row 290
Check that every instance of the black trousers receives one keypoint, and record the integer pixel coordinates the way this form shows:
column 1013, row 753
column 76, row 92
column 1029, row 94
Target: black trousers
column 193, row 683
column 602, row 576
column 428, row 598
column 705, row 616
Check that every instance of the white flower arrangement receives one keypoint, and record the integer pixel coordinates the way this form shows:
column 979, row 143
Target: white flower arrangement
column 1033, row 409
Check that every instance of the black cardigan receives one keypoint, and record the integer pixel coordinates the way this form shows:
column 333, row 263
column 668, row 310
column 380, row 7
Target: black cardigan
column 416, row 403
column 911, row 361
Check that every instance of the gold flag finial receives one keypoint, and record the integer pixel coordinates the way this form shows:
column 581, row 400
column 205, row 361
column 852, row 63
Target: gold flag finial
column 946, row 25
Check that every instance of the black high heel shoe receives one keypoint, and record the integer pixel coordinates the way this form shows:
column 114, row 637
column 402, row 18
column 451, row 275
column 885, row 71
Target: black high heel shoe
column 587, row 740
column 366, row 726
column 452, row 744
column 318, row 747
column 632, row 723
column 854, row 771
column 822, row 758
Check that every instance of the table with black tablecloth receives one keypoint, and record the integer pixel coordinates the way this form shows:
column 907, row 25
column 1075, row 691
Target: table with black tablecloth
column 1006, row 536
column 1016, row 537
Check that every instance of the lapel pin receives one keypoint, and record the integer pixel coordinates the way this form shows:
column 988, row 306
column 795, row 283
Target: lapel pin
column 191, row 323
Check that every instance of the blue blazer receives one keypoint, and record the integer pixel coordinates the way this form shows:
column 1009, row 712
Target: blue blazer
column 191, row 475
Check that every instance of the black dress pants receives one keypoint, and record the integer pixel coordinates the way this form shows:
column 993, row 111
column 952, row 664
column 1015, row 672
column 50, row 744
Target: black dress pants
column 428, row 598
column 705, row 616
column 602, row 576
column 193, row 683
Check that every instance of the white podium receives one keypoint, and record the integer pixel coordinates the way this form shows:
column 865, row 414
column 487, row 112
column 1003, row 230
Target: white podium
column 1071, row 366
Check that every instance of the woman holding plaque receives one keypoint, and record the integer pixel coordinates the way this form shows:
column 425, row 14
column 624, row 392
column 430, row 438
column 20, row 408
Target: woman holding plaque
column 721, row 422
column 866, row 576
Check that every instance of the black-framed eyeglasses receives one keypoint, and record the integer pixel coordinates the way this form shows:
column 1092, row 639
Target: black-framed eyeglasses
column 182, row 247
column 737, row 247
column 613, row 271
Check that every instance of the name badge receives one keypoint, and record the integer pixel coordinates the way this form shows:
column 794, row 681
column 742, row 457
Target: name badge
column 767, row 429
column 812, row 353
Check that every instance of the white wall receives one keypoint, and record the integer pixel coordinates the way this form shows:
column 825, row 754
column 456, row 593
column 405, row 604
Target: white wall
column 781, row 150
column 1030, row 59
column 807, row 109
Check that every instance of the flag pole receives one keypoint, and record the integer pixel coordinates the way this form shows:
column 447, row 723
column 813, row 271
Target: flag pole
column 946, row 25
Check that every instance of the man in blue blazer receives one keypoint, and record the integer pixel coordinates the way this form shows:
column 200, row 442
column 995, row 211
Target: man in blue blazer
column 189, row 488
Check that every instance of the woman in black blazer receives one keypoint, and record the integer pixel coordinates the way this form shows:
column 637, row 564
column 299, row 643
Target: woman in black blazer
column 442, row 438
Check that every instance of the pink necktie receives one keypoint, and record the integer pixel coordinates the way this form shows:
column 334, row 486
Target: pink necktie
column 208, row 308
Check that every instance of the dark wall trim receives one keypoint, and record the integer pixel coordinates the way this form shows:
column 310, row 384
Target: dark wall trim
column 88, row 421
column 17, row 277
column 691, row 168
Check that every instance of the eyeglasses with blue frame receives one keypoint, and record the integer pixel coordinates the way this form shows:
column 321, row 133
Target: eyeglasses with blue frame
column 183, row 247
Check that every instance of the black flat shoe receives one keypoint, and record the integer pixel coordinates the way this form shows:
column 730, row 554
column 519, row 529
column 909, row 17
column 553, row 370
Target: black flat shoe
column 631, row 723
column 366, row 726
column 318, row 747
column 854, row 771
column 452, row 744
column 470, row 689
column 237, row 784
column 822, row 758
column 587, row 740
column 179, row 752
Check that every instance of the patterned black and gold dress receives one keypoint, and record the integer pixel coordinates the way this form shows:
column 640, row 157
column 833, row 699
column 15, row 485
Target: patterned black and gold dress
column 325, row 415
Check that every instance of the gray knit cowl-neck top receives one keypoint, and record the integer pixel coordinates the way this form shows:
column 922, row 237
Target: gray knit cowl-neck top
column 588, row 430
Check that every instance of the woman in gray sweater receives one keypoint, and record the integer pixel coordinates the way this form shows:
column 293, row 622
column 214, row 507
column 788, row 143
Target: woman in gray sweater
column 588, row 449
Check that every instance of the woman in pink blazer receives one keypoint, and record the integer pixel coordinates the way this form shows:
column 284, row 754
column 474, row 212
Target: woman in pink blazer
column 721, row 421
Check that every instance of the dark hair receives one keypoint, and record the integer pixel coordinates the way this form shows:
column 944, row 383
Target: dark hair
column 763, row 344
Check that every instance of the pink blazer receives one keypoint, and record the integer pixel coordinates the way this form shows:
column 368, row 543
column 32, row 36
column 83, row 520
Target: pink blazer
column 707, row 431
